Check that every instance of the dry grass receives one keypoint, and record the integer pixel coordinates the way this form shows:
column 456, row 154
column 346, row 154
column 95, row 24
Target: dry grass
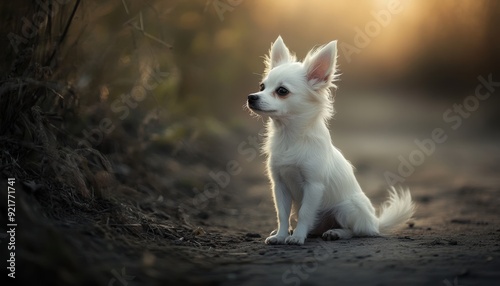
column 34, row 106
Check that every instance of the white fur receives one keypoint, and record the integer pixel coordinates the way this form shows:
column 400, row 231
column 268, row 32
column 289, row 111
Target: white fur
column 310, row 178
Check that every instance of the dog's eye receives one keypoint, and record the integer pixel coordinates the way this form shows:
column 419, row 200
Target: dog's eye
column 281, row 91
column 262, row 87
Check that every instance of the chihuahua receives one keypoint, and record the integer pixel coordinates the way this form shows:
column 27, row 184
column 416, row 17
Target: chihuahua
column 314, row 186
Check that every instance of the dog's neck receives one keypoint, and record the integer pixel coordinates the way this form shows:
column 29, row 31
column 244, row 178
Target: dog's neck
column 296, row 128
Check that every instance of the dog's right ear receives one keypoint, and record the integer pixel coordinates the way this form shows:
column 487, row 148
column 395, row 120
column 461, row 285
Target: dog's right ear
column 279, row 54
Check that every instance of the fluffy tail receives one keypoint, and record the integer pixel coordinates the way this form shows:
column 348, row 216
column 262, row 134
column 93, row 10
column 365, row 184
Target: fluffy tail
column 396, row 210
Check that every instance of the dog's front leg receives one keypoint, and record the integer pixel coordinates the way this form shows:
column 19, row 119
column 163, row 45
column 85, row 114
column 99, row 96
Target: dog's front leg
column 283, row 204
column 311, row 200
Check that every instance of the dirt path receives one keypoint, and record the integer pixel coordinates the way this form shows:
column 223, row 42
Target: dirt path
column 454, row 238
column 464, row 246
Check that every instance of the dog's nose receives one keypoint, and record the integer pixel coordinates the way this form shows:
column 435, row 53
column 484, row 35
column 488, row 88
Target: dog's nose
column 253, row 98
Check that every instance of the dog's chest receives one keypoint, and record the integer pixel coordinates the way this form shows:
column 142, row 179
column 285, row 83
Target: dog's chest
column 293, row 180
column 287, row 162
column 289, row 173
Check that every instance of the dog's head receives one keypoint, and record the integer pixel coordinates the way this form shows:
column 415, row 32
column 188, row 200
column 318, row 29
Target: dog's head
column 290, row 88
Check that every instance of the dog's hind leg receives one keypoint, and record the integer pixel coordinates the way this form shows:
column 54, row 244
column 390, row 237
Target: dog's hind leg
column 337, row 233
column 356, row 216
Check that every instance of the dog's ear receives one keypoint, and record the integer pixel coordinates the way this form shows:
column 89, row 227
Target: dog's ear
column 320, row 65
column 279, row 54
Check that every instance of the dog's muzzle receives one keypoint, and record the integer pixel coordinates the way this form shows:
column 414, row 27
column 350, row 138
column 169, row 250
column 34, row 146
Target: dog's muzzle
column 253, row 101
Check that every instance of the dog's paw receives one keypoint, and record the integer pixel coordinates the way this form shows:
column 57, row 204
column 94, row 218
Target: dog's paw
column 295, row 240
column 274, row 239
column 330, row 234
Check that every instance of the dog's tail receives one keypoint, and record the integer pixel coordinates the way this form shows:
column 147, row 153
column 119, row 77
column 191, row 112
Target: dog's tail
column 396, row 210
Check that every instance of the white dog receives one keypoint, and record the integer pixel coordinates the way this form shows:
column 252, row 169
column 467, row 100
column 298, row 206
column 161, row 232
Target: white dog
column 309, row 176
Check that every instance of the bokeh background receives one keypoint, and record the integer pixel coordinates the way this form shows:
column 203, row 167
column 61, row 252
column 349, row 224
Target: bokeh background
column 426, row 53
column 409, row 68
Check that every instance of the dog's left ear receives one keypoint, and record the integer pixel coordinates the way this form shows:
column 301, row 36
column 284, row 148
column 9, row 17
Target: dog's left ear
column 320, row 65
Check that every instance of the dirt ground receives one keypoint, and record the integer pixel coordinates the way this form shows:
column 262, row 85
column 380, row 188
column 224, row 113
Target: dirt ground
column 453, row 240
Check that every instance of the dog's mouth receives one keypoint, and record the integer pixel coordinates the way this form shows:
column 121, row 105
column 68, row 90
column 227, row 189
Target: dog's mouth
column 255, row 107
column 259, row 110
